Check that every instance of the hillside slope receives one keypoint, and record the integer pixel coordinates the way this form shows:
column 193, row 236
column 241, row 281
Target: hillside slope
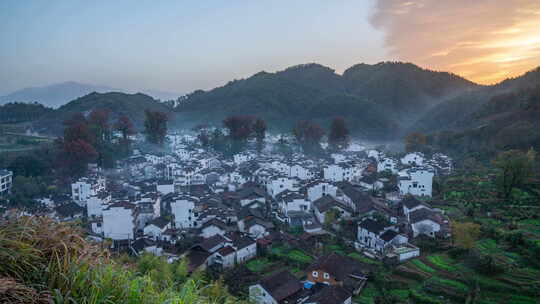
column 54, row 95
column 132, row 105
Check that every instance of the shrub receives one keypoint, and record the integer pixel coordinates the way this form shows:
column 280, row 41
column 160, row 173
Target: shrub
column 41, row 257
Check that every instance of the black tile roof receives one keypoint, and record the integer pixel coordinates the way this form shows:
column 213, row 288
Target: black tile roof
column 373, row 226
column 330, row 295
column 281, row 285
column 340, row 267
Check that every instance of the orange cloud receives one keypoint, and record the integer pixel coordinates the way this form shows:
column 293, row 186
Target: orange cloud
column 483, row 40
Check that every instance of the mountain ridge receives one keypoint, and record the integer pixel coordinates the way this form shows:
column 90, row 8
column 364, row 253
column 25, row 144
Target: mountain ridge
column 58, row 94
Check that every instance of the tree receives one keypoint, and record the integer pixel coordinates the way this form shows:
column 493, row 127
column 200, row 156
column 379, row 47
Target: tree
column 415, row 142
column 124, row 126
column 515, row 168
column 309, row 135
column 338, row 138
column 218, row 141
column 76, row 128
column 259, row 128
column 204, row 138
column 465, row 234
column 98, row 122
column 155, row 126
column 29, row 165
column 76, row 156
column 240, row 126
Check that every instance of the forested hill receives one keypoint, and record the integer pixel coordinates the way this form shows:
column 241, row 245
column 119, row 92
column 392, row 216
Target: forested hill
column 377, row 100
column 15, row 112
column 54, row 95
column 131, row 105
column 500, row 117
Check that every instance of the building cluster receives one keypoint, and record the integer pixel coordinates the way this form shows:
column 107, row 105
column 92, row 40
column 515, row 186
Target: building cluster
column 218, row 212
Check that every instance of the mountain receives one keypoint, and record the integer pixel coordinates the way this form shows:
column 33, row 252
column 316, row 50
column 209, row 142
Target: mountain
column 117, row 103
column 376, row 100
column 162, row 95
column 493, row 118
column 404, row 89
column 59, row 94
column 53, row 95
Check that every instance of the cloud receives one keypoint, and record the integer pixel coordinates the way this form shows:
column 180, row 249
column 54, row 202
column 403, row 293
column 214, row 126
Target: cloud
column 483, row 40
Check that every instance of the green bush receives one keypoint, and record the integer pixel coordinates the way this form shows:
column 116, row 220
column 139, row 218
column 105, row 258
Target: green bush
column 48, row 258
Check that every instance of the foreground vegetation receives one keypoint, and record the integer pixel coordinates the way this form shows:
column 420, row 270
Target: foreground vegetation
column 44, row 262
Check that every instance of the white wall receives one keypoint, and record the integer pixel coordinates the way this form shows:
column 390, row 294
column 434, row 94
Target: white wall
column 420, row 183
column 118, row 223
column 319, row 190
column 183, row 213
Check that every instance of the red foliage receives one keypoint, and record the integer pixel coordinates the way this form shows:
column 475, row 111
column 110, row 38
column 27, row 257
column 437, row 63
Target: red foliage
column 125, row 126
column 259, row 128
column 308, row 133
column 156, row 126
column 240, row 126
column 339, row 133
column 79, row 150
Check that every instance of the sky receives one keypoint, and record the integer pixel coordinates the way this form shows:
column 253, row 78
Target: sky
column 181, row 46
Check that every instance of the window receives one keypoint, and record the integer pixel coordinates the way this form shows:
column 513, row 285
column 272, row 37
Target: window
column 315, row 274
column 326, row 276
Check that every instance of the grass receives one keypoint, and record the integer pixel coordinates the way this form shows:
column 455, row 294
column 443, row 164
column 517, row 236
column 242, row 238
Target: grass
column 258, row 265
column 420, row 265
column 402, row 294
column 49, row 262
column 442, row 262
column 367, row 295
column 458, row 286
column 299, row 256
column 487, row 246
column 363, row 258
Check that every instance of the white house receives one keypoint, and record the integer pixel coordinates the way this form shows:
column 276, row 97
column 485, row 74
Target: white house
column 256, row 228
column 378, row 236
column 119, row 221
column 226, row 256
column 410, row 204
column 96, row 203
column 155, row 228
column 213, row 227
column 376, row 154
column 278, row 184
column 387, row 163
column 183, row 153
column 301, row 172
column 6, row 180
column 416, row 181
column 86, row 187
column 425, row 221
column 242, row 158
column 339, row 172
column 326, row 203
column 318, row 189
column 183, row 210
column 292, row 201
column 413, row 159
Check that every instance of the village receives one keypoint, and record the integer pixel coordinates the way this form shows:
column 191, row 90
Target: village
column 217, row 213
